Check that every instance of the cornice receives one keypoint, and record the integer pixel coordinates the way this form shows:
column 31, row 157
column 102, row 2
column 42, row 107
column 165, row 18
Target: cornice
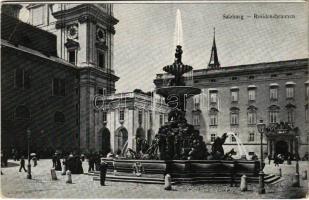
column 85, row 13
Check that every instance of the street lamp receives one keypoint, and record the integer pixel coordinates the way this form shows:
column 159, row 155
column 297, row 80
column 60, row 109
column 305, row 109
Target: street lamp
column 261, row 128
column 29, row 165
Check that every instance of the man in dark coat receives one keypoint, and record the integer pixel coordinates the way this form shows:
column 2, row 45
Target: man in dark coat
column 91, row 163
column 58, row 164
column 22, row 164
column 103, row 169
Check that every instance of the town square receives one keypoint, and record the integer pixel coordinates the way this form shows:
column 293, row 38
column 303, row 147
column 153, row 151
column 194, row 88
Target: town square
column 111, row 100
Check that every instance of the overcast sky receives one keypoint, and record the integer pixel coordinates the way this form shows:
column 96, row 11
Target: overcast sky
column 144, row 37
column 144, row 42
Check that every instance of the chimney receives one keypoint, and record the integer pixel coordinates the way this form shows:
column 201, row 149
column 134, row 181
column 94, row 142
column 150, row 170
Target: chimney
column 11, row 9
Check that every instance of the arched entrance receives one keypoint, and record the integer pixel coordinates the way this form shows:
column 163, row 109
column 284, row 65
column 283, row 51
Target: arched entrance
column 121, row 139
column 282, row 148
column 106, row 144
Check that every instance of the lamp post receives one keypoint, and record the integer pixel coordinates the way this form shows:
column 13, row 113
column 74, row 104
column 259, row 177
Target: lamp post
column 29, row 165
column 261, row 128
column 296, row 182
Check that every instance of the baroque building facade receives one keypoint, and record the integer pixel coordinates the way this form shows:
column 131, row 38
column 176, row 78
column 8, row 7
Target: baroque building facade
column 85, row 39
column 53, row 70
column 235, row 98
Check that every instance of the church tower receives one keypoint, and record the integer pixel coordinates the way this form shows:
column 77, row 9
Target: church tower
column 214, row 61
column 85, row 38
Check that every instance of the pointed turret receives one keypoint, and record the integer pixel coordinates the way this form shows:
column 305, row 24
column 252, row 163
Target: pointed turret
column 214, row 61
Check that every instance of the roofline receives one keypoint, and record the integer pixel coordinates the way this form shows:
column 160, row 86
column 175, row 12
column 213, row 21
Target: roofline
column 253, row 64
column 37, row 53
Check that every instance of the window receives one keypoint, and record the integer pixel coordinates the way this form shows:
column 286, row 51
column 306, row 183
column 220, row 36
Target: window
column 22, row 112
column 273, row 116
column 196, row 119
column 213, row 80
column 251, row 77
column 289, row 92
column 288, row 74
column 251, row 117
column 234, row 95
column 213, row 96
column 72, row 56
column 22, row 78
column 273, row 75
column 291, row 116
column 213, row 115
column 234, row 78
column 140, row 116
column 251, row 137
column 273, row 93
column 234, row 116
column 58, row 87
column 121, row 115
column 233, row 138
column 101, row 59
column 101, row 91
column 196, row 102
column 212, row 137
column 104, row 117
column 251, row 94
column 213, row 119
column 37, row 16
column 59, row 117
column 161, row 119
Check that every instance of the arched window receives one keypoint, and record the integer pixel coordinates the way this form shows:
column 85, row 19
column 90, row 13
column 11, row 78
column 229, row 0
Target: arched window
column 59, row 117
column 22, row 112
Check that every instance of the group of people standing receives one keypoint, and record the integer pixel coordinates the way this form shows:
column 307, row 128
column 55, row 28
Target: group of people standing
column 70, row 162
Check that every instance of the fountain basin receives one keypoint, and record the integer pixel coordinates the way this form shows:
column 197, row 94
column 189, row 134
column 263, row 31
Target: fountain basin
column 189, row 168
column 180, row 91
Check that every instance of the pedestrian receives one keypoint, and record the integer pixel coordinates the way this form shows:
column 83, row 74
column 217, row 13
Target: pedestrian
column 103, row 169
column 91, row 163
column 58, row 164
column 54, row 159
column 35, row 161
column 22, row 164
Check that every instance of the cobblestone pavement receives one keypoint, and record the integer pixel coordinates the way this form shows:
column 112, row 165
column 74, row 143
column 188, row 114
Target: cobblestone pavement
column 15, row 185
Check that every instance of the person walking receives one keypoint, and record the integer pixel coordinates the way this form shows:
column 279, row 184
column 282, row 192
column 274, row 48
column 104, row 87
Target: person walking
column 35, row 161
column 91, row 163
column 22, row 164
column 54, row 159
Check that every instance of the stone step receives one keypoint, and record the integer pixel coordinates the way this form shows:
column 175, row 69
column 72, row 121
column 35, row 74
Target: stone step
column 277, row 181
column 117, row 179
column 271, row 180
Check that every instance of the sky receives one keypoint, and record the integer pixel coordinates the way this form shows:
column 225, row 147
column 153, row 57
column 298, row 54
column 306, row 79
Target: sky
column 144, row 39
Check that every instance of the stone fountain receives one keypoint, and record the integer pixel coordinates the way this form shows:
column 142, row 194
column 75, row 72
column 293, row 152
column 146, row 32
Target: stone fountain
column 178, row 149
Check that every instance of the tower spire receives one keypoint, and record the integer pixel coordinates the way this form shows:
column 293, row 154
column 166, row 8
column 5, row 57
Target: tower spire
column 214, row 61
